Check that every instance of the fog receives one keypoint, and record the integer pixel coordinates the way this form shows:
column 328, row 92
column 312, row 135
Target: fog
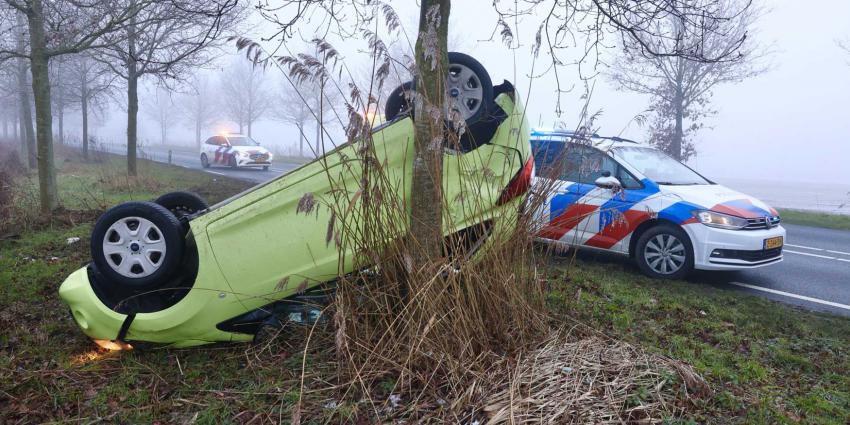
column 788, row 124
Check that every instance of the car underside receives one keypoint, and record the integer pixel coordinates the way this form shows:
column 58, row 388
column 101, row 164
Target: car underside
column 261, row 256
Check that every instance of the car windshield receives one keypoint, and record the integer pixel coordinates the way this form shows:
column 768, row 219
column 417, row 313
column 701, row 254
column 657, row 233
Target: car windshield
column 241, row 141
column 659, row 167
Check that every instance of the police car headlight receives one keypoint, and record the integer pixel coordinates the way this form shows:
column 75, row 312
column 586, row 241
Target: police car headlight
column 722, row 221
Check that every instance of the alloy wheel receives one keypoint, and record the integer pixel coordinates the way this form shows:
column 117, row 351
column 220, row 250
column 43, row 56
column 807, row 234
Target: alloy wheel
column 665, row 254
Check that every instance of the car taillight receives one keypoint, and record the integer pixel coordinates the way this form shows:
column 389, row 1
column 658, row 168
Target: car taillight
column 519, row 184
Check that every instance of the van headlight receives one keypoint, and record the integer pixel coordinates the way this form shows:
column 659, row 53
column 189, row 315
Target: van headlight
column 722, row 221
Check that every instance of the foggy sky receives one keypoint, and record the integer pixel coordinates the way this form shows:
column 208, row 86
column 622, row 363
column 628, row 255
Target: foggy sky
column 790, row 124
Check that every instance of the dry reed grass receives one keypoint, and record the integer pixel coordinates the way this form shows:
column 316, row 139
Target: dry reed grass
column 457, row 338
column 592, row 380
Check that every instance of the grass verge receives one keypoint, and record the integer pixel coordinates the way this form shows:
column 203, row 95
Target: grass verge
column 766, row 362
column 816, row 219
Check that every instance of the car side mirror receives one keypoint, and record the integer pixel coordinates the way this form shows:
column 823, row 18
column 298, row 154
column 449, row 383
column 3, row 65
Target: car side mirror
column 608, row 182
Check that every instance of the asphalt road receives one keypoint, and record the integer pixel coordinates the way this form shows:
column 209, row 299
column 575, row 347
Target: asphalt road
column 815, row 273
column 191, row 159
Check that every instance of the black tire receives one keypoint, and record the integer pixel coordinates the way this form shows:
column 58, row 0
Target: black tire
column 657, row 255
column 205, row 162
column 265, row 168
column 182, row 204
column 167, row 232
column 397, row 102
column 232, row 162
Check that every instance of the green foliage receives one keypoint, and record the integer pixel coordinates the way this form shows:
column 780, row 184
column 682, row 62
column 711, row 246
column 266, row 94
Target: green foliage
column 816, row 219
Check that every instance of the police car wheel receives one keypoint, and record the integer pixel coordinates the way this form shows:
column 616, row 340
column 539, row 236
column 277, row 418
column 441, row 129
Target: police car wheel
column 665, row 252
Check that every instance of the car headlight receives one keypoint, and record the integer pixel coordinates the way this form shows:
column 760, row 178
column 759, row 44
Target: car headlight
column 243, row 153
column 722, row 221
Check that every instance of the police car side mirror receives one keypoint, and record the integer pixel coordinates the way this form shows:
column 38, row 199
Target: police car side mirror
column 608, row 182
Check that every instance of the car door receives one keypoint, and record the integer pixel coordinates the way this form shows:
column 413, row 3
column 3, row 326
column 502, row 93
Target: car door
column 219, row 150
column 570, row 200
column 209, row 147
column 618, row 211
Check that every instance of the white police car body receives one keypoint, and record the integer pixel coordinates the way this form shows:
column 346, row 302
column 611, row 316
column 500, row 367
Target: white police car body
column 621, row 196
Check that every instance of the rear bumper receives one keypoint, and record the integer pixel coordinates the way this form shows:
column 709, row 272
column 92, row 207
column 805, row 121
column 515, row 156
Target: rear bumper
column 718, row 249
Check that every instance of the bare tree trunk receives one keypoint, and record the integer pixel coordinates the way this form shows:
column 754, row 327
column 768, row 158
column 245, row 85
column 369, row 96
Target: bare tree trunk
column 27, row 133
column 301, row 141
column 84, row 108
column 198, row 133
column 22, row 133
column 60, row 100
column 426, row 194
column 43, row 120
column 16, row 126
column 678, row 133
column 132, row 97
column 250, row 111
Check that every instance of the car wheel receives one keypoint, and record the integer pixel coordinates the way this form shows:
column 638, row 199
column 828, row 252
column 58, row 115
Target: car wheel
column 265, row 168
column 665, row 252
column 205, row 162
column 182, row 204
column 137, row 244
column 233, row 164
column 398, row 102
column 469, row 89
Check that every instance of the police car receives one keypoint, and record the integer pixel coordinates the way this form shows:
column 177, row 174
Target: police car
column 234, row 150
column 617, row 195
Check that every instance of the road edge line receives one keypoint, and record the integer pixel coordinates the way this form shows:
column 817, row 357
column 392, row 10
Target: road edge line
column 790, row 295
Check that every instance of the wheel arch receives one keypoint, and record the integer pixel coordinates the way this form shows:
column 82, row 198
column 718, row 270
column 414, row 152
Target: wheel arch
column 648, row 224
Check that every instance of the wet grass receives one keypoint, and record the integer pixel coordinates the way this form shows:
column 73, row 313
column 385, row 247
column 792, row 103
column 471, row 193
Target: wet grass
column 816, row 219
column 766, row 362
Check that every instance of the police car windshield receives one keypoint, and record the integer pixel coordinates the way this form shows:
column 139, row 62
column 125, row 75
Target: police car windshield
column 659, row 167
column 241, row 141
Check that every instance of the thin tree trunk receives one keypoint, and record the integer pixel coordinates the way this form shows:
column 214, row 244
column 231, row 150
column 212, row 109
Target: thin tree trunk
column 678, row 134
column 426, row 194
column 61, row 126
column 27, row 134
column 44, row 122
column 84, row 108
column 301, row 141
column 60, row 102
column 132, row 97
column 22, row 133
column 198, row 133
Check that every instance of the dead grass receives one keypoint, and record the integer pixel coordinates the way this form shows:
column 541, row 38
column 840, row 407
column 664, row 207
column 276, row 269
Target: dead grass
column 593, row 380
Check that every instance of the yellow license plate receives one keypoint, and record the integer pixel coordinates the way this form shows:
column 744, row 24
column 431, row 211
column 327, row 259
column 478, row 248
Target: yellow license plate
column 771, row 243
